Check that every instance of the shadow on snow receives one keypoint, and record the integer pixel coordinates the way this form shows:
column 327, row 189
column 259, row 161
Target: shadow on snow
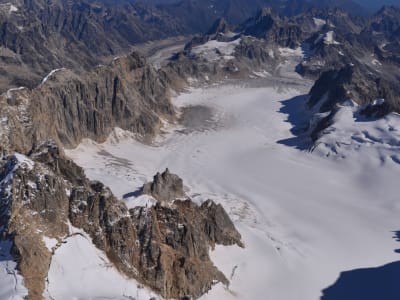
column 298, row 117
column 367, row 284
column 5, row 251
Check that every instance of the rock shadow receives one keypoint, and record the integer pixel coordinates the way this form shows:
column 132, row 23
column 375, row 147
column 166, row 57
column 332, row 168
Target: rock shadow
column 397, row 238
column 298, row 117
column 134, row 194
column 5, row 251
column 368, row 283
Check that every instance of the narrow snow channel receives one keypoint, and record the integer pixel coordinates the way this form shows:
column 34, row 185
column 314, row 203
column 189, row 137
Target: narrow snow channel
column 304, row 218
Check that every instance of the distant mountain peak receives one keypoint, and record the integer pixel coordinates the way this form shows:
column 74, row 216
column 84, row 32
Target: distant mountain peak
column 219, row 26
column 388, row 10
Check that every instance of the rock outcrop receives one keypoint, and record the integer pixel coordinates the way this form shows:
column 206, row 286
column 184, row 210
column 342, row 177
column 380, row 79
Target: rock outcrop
column 165, row 187
column 273, row 28
column 164, row 247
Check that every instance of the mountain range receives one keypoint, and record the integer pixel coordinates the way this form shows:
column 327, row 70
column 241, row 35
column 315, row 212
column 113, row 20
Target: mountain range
column 39, row 36
column 70, row 71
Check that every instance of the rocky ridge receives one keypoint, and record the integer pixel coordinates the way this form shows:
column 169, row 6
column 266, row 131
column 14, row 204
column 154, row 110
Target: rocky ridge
column 39, row 36
column 164, row 246
column 67, row 107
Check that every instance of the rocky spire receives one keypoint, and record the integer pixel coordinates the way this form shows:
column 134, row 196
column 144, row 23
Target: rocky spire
column 219, row 26
column 165, row 187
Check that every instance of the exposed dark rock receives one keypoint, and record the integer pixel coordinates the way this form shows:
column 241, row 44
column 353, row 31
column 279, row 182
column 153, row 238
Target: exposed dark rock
column 44, row 35
column 219, row 26
column 274, row 29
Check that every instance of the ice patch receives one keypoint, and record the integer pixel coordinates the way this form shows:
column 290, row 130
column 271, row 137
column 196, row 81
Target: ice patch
column 319, row 22
column 329, row 38
column 143, row 201
column 13, row 8
column 262, row 74
column 214, row 50
column 24, row 161
column 376, row 62
column 51, row 74
column 378, row 102
column 10, row 91
column 288, row 52
column 50, row 243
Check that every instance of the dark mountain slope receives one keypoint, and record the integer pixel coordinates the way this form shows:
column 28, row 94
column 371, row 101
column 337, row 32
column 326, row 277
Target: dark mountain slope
column 38, row 36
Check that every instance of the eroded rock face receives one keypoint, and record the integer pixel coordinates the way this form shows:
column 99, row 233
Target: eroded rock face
column 67, row 107
column 33, row 204
column 165, row 247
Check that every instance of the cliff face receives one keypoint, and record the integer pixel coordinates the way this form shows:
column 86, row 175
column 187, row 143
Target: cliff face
column 67, row 107
column 165, row 247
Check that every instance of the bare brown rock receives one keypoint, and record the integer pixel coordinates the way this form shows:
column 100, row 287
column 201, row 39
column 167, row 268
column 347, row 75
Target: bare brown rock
column 165, row 187
column 68, row 107
column 33, row 204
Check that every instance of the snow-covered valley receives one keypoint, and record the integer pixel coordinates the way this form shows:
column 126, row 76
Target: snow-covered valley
column 304, row 217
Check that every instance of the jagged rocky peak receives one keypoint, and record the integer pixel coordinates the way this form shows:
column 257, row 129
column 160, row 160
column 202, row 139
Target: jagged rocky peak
column 220, row 31
column 165, row 187
column 259, row 25
column 273, row 28
column 165, row 247
column 389, row 11
column 264, row 12
column 356, row 83
column 219, row 26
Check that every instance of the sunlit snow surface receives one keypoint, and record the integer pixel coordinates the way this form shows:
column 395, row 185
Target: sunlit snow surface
column 80, row 271
column 214, row 50
column 304, row 217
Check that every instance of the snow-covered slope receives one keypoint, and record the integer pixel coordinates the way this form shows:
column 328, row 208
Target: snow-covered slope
column 11, row 283
column 354, row 136
column 304, row 217
column 214, row 50
column 80, row 271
